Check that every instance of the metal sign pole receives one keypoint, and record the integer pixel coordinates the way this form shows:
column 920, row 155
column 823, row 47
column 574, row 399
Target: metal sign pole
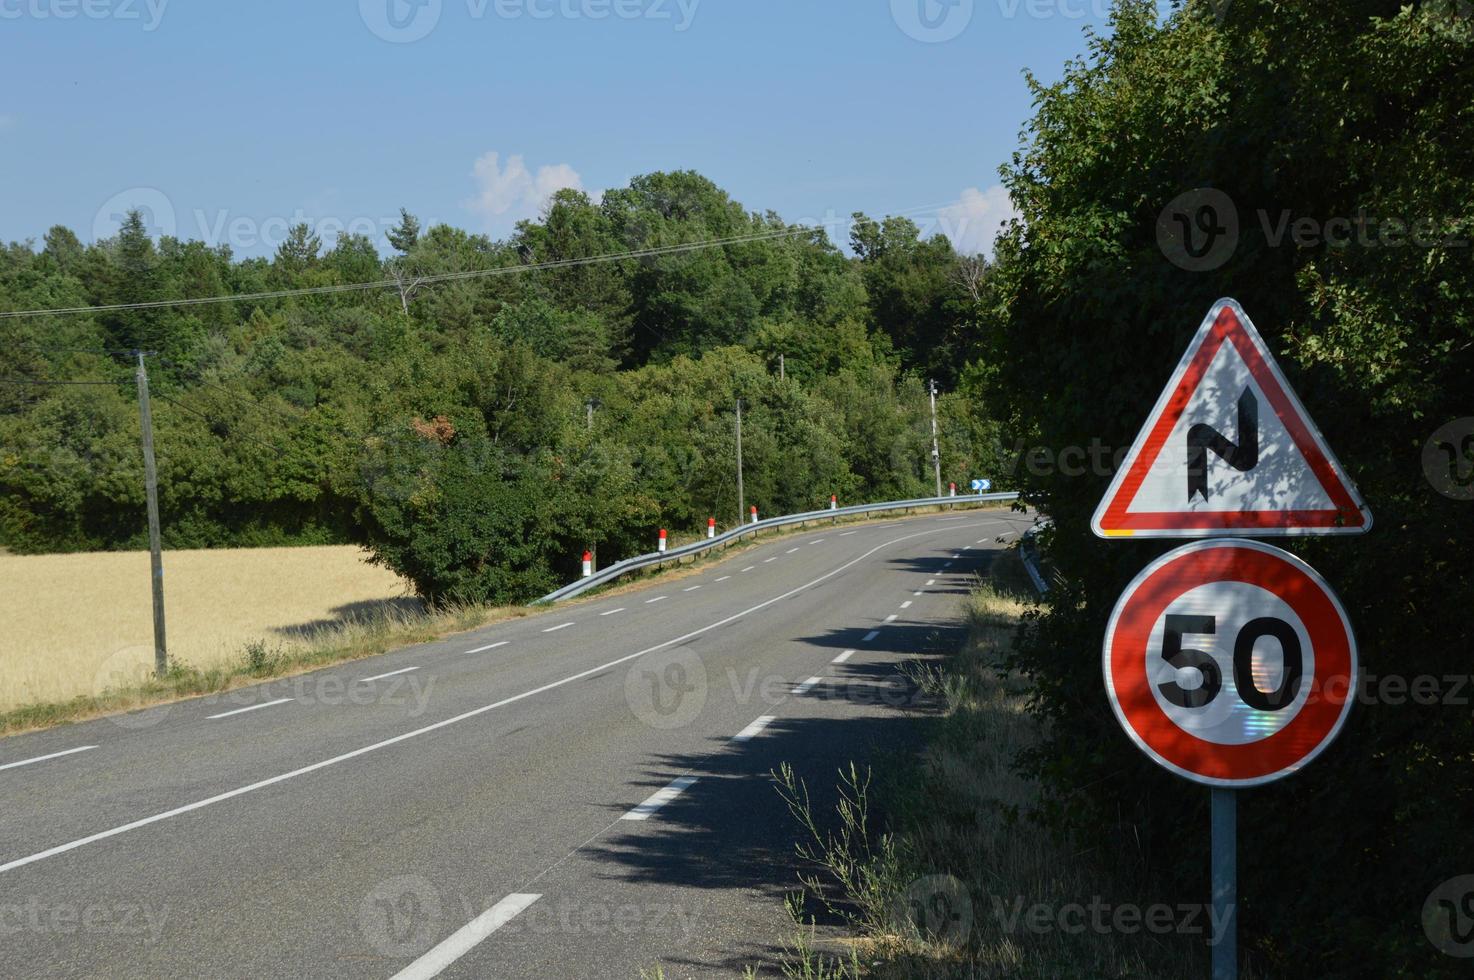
column 1224, row 922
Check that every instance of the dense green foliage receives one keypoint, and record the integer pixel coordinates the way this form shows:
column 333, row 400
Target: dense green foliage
column 1324, row 111
column 445, row 423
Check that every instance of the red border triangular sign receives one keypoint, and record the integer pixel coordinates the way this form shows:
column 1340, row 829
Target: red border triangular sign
column 1229, row 451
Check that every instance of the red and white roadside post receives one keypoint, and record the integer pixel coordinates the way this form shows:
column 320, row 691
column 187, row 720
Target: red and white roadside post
column 1229, row 662
column 588, row 564
column 833, row 502
column 661, row 548
column 951, row 489
column 711, row 528
column 754, row 513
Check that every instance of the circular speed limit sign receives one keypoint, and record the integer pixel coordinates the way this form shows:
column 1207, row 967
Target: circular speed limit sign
column 1230, row 662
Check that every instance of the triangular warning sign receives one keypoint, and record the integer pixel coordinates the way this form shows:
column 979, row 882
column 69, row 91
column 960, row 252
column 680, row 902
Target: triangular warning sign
column 1229, row 450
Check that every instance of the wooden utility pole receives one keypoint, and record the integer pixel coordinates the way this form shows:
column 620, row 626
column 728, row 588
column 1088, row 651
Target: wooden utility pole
column 741, row 503
column 151, row 491
column 936, row 452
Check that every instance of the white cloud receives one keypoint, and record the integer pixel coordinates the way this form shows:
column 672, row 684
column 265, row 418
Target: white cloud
column 974, row 221
column 507, row 194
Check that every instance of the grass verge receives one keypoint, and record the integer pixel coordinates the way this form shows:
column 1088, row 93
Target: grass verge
column 966, row 882
column 364, row 636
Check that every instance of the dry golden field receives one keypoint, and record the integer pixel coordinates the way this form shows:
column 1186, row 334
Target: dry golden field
column 79, row 624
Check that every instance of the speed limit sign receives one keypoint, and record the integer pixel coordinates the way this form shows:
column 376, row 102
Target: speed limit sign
column 1230, row 662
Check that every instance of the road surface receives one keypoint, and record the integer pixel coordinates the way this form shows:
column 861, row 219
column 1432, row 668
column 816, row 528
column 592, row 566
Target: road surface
column 584, row 792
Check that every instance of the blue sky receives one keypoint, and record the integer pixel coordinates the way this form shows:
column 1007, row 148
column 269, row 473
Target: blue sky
column 228, row 121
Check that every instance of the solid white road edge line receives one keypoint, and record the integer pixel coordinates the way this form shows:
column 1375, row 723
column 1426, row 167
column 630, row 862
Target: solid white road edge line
column 379, row 677
column 464, row 939
column 843, row 657
column 453, row 720
column 748, row 733
column 241, row 711
column 490, row 646
column 43, row 758
column 660, row 798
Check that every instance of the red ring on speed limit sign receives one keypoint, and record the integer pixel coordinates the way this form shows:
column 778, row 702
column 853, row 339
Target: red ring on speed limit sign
column 1327, row 685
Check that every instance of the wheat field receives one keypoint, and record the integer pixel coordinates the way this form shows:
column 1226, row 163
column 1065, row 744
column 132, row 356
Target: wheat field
column 80, row 624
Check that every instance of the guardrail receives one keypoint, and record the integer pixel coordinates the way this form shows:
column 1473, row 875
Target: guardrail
column 621, row 568
column 1029, row 554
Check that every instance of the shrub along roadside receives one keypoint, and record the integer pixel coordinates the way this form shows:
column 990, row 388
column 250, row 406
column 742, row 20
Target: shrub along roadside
column 966, row 883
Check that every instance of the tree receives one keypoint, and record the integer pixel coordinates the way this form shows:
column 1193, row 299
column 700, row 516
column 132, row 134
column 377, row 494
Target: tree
column 405, row 235
column 1086, row 316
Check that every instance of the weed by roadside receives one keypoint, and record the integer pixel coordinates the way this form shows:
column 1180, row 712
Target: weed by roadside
column 964, row 882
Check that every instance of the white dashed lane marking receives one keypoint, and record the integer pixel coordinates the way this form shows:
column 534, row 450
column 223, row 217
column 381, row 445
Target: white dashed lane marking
column 660, row 798
column 241, row 711
column 752, row 730
column 43, row 758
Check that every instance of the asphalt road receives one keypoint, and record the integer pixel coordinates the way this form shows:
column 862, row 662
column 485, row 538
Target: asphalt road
column 583, row 793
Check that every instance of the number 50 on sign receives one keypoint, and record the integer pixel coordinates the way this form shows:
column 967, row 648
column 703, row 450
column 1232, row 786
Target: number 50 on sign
column 1230, row 662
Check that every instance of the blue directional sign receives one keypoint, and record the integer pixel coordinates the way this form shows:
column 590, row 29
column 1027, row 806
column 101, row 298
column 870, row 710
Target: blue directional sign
column 982, row 486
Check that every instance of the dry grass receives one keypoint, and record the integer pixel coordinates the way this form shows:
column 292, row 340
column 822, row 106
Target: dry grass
column 79, row 624
column 965, row 844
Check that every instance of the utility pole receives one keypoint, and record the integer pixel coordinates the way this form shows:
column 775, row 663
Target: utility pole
column 936, row 452
column 741, row 503
column 781, row 375
column 151, row 492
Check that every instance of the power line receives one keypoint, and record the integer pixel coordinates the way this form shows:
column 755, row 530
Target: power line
column 45, row 349
column 215, row 422
column 652, row 252
column 30, row 381
column 251, row 402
